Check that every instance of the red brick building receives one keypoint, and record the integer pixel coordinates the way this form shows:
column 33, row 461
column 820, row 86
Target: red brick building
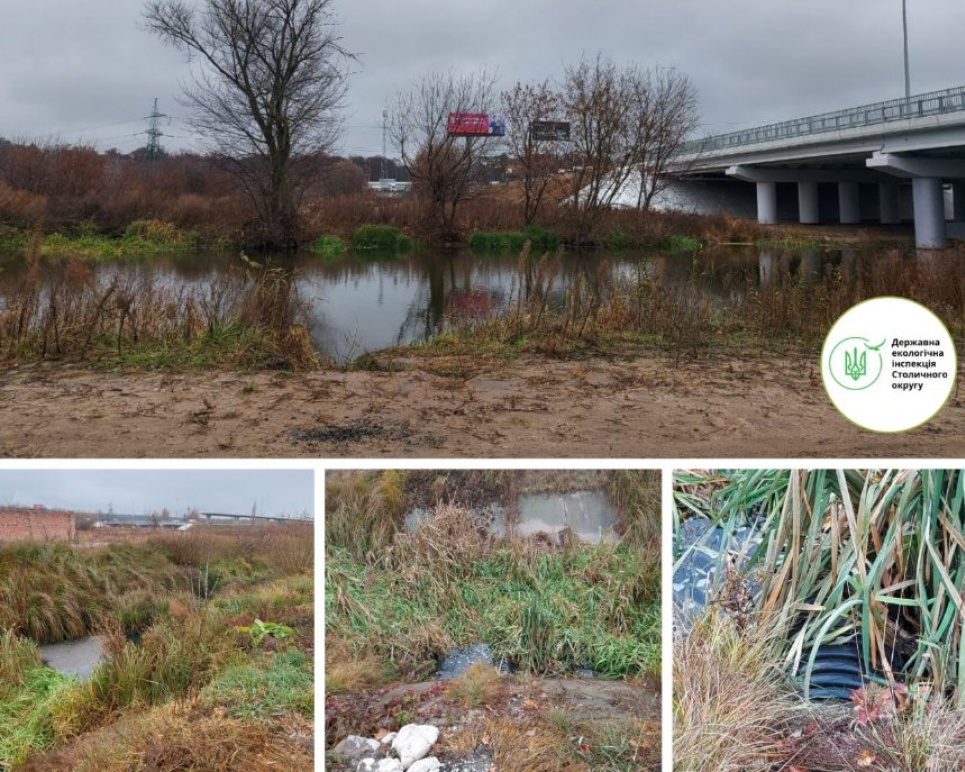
column 23, row 524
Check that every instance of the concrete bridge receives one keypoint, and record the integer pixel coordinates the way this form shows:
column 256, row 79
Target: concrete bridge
column 240, row 519
column 882, row 162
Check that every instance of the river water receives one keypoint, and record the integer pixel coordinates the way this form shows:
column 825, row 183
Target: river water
column 360, row 304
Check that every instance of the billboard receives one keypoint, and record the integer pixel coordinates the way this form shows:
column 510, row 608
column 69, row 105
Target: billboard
column 475, row 125
column 551, row 131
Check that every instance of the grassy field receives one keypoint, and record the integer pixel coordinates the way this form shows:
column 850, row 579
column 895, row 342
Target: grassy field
column 872, row 553
column 192, row 680
column 396, row 601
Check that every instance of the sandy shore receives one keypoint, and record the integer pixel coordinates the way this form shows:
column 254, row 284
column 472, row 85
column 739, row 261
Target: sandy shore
column 644, row 407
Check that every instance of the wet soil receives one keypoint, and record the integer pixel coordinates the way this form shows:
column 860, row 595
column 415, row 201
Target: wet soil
column 645, row 407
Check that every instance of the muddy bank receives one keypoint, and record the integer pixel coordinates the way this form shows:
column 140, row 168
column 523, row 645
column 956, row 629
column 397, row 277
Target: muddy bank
column 648, row 407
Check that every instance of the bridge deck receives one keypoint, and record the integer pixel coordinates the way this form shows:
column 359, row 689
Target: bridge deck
column 950, row 100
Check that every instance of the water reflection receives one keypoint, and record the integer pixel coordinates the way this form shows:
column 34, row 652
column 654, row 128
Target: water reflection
column 361, row 304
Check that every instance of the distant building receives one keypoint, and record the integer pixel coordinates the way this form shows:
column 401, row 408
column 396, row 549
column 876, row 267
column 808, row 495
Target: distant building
column 390, row 186
column 36, row 524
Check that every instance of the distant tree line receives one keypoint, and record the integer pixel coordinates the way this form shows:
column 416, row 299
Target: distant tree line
column 626, row 124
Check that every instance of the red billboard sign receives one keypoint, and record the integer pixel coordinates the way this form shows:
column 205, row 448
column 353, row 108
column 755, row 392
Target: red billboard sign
column 469, row 124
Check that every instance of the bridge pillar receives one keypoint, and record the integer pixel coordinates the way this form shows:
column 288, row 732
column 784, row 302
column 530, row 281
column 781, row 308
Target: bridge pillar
column 888, row 202
column 849, row 203
column 767, row 203
column 929, row 201
column 807, row 203
column 958, row 201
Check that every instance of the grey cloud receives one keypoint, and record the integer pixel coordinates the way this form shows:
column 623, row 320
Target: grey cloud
column 289, row 492
column 70, row 65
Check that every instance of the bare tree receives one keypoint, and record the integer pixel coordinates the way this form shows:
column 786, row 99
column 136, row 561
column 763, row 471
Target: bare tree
column 442, row 167
column 537, row 158
column 626, row 122
column 667, row 113
column 267, row 94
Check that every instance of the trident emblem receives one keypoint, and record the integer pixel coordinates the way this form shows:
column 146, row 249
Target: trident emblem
column 856, row 365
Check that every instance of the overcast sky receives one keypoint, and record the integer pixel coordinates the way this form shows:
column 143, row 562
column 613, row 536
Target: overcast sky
column 135, row 492
column 84, row 70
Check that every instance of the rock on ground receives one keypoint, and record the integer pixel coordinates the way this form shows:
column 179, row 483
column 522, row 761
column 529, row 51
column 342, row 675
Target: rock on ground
column 428, row 764
column 413, row 742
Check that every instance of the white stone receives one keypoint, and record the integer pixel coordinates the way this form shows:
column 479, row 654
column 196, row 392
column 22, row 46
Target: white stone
column 366, row 765
column 413, row 742
column 353, row 748
column 387, row 740
column 389, row 765
column 428, row 764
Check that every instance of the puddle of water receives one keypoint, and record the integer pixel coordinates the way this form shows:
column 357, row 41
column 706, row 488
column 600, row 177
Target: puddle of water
column 77, row 658
column 588, row 514
column 458, row 661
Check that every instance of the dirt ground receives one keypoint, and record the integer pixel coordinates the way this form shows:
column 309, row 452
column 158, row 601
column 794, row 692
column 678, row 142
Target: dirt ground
column 514, row 723
column 643, row 407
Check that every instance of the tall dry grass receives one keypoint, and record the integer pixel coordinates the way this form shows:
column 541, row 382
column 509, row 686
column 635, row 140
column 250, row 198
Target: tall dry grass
column 363, row 512
column 790, row 307
column 731, row 703
column 636, row 495
column 68, row 311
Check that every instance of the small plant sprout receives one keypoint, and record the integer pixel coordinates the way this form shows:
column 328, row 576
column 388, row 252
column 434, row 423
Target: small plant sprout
column 259, row 630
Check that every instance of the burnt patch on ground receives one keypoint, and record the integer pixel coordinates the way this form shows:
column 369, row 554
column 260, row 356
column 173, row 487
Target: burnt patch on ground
column 353, row 431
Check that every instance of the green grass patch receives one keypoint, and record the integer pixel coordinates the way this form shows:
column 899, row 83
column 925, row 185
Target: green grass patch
column 328, row 247
column 547, row 612
column 618, row 241
column 491, row 242
column 265, row 686
column 678, row 243
column 140, row 239
column 27, row 715
column 381, row 238
column 788, row 242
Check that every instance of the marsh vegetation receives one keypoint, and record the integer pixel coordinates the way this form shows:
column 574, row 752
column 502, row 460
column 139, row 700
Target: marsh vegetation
column 400, row 600
column 863, row 566
column 208, row 638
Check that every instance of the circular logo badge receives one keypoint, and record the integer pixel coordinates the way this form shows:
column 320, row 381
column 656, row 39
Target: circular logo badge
column 888, row 364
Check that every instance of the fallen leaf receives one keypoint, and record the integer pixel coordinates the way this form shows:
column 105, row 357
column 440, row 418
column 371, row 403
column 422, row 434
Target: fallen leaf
column 485, row 739
column 866, row 759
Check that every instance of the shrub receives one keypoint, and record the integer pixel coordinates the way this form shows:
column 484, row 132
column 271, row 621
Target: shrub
column 385, row 238
column 678, row 243
column 540, row 240
column 328, row 247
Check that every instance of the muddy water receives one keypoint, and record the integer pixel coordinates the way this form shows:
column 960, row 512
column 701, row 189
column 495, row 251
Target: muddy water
column 78, row 658
column 360, row 304
column 588, row 514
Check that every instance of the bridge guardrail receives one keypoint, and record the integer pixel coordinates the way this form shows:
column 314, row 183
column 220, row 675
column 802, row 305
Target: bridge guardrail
column 934, row 103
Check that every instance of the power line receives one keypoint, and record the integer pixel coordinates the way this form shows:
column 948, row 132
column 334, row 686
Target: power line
column 153, row 151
